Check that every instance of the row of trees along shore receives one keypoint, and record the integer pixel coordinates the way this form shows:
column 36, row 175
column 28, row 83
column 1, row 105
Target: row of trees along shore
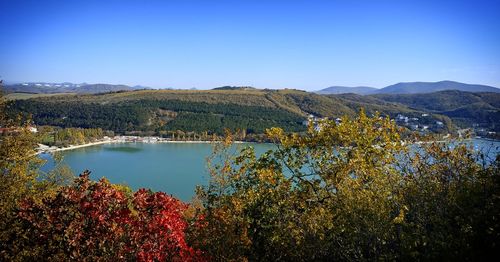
column 63, row 137
column 53, row 136
column 348, row 192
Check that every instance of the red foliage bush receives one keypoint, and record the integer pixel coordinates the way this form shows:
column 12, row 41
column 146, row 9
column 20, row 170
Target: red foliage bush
column 159, row 217
column 95, row 221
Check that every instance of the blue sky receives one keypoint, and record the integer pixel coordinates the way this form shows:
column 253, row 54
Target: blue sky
column 307, row 45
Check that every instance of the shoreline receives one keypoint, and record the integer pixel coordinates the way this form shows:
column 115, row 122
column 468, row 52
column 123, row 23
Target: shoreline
column 42, row 149
column 158, row 140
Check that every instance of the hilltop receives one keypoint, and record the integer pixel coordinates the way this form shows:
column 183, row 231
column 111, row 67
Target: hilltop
column 411, row 88
column 361, row 90
column 399, row 88
column 429, row 87
column 234, row 88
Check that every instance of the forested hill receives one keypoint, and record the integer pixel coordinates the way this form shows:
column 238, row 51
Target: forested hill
column 465, row 108
column 210, row 111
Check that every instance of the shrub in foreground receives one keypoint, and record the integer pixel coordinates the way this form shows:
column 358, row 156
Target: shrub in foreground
column 96, row 221
column 350, row 191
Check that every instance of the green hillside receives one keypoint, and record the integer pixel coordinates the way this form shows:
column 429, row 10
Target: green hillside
column 209, row 111
column 465, row 108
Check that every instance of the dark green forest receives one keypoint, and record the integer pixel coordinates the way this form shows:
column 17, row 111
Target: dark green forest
column 151, row 115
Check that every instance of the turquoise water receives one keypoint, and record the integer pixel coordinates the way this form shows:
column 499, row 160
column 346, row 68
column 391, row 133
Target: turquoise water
column 175, row 168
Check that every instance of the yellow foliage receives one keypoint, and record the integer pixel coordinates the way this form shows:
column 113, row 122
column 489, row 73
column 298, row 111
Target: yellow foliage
column 347, row 191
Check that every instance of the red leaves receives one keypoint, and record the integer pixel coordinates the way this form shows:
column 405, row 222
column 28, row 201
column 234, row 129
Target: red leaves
column 93, row 220
column 160, row 219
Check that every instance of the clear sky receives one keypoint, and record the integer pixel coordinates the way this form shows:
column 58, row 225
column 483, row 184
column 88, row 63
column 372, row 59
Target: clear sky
column 267, row 44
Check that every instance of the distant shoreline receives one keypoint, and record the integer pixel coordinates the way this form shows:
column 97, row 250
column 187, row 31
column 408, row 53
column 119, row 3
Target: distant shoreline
column 158, row 140
column 124, row 139
column 47, row 149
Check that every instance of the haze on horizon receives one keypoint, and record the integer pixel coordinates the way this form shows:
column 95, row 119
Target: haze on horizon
column 307, row 45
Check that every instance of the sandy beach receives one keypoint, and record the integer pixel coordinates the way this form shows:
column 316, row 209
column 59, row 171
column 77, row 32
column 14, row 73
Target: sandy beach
column 121, row 139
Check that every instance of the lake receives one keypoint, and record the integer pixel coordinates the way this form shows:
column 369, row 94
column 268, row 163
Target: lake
column 175, row 168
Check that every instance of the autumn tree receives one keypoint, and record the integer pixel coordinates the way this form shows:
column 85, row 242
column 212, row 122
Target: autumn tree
column 349, row 191
column 43, row 217
column 18, row 172
column 451, row 203
column 90, row 221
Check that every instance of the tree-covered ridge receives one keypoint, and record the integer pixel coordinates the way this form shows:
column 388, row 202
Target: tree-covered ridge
column 240, row 97
column 152, row 115
column 200, row 111
column 443, row 100
column 234, row 88
column 464, row 107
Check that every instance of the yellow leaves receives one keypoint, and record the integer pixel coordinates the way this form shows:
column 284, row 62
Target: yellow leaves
column 267, row 176
column 400, row 218
column 123, row 188
column 228, row 138
column 342, row 182
column 237, row 205
column 276, row 134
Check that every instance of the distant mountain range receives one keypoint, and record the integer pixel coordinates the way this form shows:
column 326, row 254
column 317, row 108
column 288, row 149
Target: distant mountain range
column 335, row 90
column 53, row 88
column 399, row 88
column 410, row 88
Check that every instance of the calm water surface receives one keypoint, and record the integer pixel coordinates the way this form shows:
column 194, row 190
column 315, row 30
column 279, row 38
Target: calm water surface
column 175, row 168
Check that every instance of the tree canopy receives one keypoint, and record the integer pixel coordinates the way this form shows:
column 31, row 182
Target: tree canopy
column 351, row 191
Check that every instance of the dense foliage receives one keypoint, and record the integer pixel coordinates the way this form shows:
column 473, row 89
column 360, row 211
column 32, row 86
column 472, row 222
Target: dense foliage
column 351, row 192
column 18, row 173
column 70, row 114
column 75, row 136
column 97, row 221
column 153, row 115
